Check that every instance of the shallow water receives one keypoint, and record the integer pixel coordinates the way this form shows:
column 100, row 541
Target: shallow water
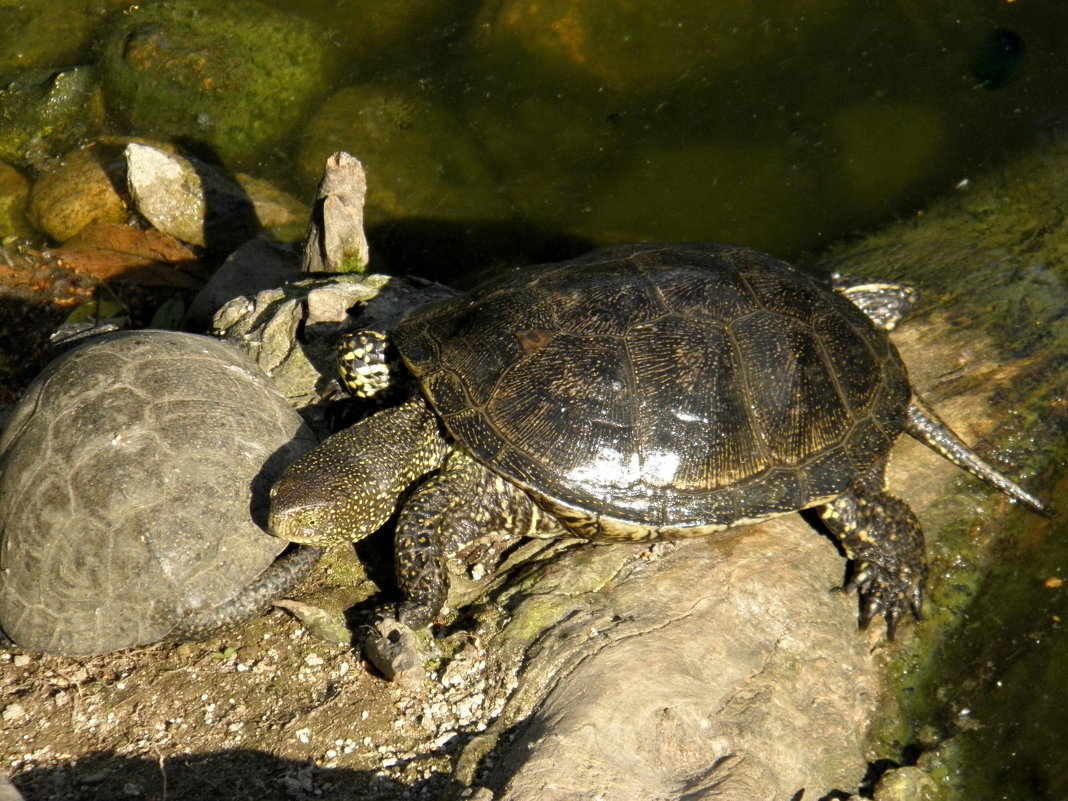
column 779, row 125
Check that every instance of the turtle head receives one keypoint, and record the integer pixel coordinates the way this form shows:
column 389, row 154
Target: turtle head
column 299, row 516
column 350, row 485
column 316, row 503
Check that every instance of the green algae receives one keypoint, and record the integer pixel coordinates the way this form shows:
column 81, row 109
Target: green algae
column 979, row 686
column 234, row 78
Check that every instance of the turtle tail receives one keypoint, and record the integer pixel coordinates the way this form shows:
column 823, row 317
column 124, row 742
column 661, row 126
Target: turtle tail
column 923, row 424
column 285, row 573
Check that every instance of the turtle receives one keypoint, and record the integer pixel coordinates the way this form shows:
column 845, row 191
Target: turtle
column 641, row 392
column 134, row 474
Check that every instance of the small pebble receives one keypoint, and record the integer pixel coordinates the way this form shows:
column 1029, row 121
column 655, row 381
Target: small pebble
column 13, row 713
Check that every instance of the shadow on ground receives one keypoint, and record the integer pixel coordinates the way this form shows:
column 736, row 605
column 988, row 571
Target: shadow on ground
column 233, row 775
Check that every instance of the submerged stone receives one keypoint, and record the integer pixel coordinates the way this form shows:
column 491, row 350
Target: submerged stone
column 233, row 77
column 45, row 112
column 421, row 161
column 14, row 191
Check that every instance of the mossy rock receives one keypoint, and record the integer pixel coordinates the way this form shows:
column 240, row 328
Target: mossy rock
column 233, row 77
column 14, row 191
column 637, row 46
column 47, row 112
column 43, row 34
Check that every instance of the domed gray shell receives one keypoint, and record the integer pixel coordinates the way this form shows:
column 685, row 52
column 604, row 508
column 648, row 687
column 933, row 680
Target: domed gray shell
column 126, row 474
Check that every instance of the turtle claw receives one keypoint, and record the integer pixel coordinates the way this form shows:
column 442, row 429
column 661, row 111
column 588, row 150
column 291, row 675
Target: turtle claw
column 887, row 592
column 883, row 538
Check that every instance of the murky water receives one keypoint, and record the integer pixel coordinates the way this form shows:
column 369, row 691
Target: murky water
column 782, row 125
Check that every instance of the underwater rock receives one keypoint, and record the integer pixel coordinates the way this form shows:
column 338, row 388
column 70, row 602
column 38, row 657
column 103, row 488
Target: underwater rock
column 46, row 112
column 421, row 161
column 234, row 77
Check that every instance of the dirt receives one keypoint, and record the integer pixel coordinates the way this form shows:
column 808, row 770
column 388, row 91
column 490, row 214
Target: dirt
column 266, row 712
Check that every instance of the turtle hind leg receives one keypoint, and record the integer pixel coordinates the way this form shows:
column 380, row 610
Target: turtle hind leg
column 885, row 304
column 884, row 541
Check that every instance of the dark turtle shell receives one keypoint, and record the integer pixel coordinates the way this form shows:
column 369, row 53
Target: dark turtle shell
column 670, row 390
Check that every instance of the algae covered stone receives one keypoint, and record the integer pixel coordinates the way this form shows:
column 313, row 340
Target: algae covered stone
column 236, row 77
column 83, row 189
column 639, row 46
column 14, row 191
column 46, row 112
column 43, row 34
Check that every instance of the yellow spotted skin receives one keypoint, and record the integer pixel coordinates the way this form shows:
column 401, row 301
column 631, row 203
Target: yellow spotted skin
column 349, row 486
column 463, row 502
column 369, row 366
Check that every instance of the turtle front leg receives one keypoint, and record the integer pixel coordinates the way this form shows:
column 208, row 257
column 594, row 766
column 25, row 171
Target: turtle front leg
column 461, row 504
column 883, row 538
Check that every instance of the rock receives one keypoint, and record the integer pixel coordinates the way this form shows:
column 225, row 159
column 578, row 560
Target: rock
column 109, row 252
column 235, row 77
column 322, row 624
column 47, row 112
column 80, row 191
column 195, row 202
column 267, row 324
column 701, row 671
column 254, row 267
column 985, row 674
column 391, row 648
column 43, row 35
column 14, row 197
column 179, row 195
column 908, row 783
column 335, row 241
